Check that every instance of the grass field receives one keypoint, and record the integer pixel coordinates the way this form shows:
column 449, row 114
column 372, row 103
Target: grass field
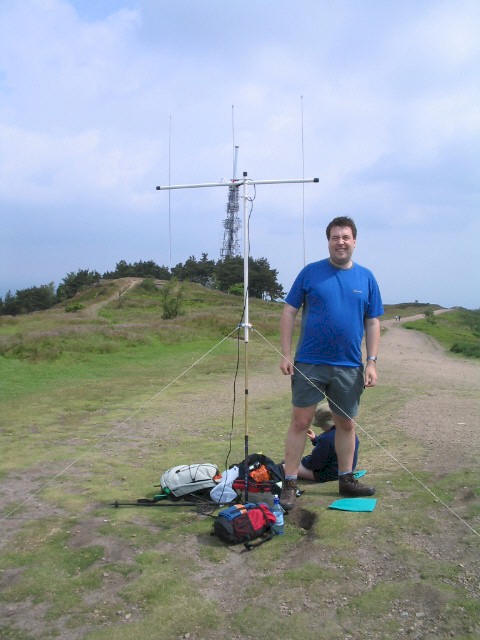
column 89, row 414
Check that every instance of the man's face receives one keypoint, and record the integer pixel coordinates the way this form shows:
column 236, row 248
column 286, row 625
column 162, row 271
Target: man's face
column 341, row 245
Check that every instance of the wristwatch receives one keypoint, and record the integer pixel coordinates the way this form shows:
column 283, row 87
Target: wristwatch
column 373, row 358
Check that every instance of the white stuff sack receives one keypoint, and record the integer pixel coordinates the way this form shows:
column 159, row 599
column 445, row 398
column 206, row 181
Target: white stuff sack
column 188, row 478
column 223, row 492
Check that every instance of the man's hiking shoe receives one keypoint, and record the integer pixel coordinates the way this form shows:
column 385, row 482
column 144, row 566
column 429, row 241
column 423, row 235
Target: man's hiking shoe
column 289, row 494
column 350, row 487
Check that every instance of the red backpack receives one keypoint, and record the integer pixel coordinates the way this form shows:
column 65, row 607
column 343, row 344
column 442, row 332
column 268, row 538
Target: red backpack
column 244, row 523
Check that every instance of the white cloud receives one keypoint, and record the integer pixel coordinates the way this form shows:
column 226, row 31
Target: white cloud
column 391, row 121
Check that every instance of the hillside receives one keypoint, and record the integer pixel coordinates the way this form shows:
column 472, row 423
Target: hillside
column 121, row 314
column 96, row 404
column 117, row 315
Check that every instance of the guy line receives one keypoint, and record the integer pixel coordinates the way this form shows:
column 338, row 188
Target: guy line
column 189, row 368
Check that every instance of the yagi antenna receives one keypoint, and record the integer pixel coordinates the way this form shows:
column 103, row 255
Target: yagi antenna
column 242, row 183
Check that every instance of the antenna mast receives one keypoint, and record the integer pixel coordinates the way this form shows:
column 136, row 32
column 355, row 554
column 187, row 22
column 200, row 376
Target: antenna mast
column 244, row 182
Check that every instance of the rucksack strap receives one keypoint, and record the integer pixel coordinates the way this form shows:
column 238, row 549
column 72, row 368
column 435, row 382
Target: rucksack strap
column 251, row 545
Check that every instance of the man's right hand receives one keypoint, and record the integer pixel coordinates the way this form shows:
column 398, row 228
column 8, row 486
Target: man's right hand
column 286, row 366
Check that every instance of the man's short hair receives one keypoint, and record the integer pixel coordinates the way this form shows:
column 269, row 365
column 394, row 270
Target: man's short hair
column 342, row 221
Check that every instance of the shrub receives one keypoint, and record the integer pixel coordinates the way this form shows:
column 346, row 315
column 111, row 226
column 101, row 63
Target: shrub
column 148, row 284
column 467, row 349
column 236, row 289
column 429, row 315
column 172, row 294
column 74, row 306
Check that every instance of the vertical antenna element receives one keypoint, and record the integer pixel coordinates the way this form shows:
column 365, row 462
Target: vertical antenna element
column 303, row 189
column 169, row 191
column 236, row 184
column 233, row 144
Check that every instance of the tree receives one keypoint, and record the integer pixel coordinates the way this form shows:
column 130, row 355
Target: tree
column 201, row 271
column 228, row 272
column 74, row 282
column 27, row 300
column 36, row 298
column 149, row 269
column 140, row 269
column 262, row 279
column 10, row 305
column 122, row 270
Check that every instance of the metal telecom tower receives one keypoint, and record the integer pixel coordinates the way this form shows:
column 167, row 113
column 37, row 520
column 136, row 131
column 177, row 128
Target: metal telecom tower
column 231, row 224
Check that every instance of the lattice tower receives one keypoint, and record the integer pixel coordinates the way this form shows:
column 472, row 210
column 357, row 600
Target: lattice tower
column 231, row 224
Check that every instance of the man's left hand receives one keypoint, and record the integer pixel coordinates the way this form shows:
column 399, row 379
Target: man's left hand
column 370, row 375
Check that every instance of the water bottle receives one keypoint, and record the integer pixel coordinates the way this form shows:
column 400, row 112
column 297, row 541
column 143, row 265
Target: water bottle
column 278, row 513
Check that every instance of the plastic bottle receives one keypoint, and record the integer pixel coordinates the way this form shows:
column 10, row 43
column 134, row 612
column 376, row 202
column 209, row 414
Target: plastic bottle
column 278, row 513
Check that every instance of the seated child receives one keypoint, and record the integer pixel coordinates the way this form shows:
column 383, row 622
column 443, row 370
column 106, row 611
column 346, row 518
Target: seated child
column 322, row 465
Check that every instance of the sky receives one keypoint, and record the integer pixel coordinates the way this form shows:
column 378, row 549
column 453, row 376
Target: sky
column 100, row 101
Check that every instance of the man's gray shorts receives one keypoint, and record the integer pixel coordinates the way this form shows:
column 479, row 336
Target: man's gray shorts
column 342, row 386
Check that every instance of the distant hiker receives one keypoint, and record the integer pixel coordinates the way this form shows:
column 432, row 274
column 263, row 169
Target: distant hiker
column 340, row 300
column 322, row 465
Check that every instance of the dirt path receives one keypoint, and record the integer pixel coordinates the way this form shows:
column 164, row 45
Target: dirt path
column 125, row 285
column 442, row 395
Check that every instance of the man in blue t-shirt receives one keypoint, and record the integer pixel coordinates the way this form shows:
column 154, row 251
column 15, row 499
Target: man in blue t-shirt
column 340, row 301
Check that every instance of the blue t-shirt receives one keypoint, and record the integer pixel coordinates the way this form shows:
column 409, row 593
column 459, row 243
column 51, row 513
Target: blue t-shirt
column 335, row 304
